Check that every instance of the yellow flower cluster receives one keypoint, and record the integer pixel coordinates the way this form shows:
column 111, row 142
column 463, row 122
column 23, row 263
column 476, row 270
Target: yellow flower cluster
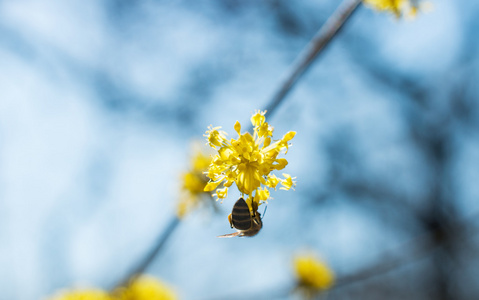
column 194, row 182
column 398, row 7
column 248, row 161
column 312, row 273
column 142, row 288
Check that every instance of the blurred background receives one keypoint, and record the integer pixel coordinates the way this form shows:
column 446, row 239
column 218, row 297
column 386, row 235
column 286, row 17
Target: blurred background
column 100, row 102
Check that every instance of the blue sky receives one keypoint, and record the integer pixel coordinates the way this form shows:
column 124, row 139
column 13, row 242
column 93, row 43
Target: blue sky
column 100, row 102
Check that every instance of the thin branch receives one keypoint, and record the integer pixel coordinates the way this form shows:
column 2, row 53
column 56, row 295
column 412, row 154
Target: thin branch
column 421, row 246
column 306, row 58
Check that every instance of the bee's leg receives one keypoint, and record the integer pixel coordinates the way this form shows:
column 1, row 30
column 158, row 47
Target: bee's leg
column 230, row 220
column 255, row 208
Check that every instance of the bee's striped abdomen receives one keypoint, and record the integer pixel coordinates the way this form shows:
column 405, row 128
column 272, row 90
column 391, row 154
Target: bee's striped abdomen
column 240, row 216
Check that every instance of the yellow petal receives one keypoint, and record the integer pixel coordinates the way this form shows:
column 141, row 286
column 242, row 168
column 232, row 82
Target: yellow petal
column 222, row 193
column 212, row 185
column 237, row 127
column 289, row 136
column 288, row 182
column 258, row 118
column 263, row 194
column 281, row 164
column 272, row 181
column 267, row 142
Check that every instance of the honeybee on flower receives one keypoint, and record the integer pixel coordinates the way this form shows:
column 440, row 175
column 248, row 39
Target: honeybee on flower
column 248, row 161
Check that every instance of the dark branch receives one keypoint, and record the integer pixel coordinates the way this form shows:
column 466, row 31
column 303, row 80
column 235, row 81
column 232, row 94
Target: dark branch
column 306, row 58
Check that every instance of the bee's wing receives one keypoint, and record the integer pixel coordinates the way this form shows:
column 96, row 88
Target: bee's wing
column 230, row 235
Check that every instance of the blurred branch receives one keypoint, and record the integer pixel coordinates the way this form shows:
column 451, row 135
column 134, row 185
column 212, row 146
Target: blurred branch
column 382, row 192
column 435, row 118
column 422, row 247
column 113, row 94
column 312, row 49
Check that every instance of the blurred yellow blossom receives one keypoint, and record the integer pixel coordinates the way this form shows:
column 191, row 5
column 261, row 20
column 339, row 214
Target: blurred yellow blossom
column 313, row 274
column 399, row 7
column 248, row 161
column 145, row 287
column 194, row 182
column 81, row 294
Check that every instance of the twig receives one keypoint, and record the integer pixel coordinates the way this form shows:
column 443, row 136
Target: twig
column 312, row 49
column 421, row 246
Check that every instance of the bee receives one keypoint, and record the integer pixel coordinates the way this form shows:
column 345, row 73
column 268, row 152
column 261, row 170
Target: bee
column 242, row 220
